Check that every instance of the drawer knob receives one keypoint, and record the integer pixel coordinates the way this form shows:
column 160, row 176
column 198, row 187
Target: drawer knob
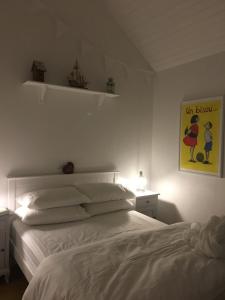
column 147, row 201
column 2, row 250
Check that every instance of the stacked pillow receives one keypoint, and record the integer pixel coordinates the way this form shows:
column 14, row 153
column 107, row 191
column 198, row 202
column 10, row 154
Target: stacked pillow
column 70, row 203
column 106, row 197
column 50, row 206
column 94, row 209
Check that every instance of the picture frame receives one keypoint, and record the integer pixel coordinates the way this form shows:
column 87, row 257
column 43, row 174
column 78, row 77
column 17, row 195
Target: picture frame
column 201, row 136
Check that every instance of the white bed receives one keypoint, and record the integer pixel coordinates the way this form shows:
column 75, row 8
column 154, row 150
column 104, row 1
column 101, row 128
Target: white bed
column 33, row 243
column 120, row 255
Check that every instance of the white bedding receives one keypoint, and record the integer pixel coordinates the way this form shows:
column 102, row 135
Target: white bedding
column 34, row 243
column 140, row 264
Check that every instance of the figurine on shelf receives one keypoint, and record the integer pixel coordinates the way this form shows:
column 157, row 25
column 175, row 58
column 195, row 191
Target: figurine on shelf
column 68, row 168
column 38, row 69
column 110, row 86
column 76, row 79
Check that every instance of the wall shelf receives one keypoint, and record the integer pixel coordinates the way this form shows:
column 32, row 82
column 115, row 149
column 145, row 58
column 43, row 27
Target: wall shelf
column 45, row 86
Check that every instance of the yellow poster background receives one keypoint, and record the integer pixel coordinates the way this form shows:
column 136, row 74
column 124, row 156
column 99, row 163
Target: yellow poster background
column 208, row 110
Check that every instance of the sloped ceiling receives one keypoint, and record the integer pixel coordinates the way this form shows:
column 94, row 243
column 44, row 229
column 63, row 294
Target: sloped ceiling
column 172, row 32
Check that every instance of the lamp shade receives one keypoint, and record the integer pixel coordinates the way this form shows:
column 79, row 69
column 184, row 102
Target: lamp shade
column 141, row 182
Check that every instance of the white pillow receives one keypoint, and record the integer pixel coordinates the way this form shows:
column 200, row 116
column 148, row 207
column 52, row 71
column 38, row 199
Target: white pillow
column 102, row 192
column 51, row 215
column 48, row 198
column 109, row 206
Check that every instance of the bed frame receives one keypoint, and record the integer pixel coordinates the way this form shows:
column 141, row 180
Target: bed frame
column 19, row 185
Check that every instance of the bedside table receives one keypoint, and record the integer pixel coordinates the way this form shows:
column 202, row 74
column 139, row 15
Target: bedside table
column 146, row 203
column 4, row 245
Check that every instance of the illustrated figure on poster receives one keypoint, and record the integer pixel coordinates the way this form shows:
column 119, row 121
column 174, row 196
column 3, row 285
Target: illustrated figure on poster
column 208, row 141
column 191, row 135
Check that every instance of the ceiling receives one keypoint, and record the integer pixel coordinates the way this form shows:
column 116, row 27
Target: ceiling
column 169, row 33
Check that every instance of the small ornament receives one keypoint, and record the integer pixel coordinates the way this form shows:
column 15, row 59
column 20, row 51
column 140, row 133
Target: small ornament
column 38, row 69
column 110, row 86
column 68, row 168
column 76, row 78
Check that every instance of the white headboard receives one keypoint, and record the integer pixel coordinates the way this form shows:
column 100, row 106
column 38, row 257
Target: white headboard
column 19, row 185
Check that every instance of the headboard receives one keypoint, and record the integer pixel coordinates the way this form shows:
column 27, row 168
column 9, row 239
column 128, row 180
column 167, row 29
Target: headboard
column 19, row 185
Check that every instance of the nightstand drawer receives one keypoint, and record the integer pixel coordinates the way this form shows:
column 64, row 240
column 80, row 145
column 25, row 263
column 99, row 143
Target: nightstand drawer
column 2, row 224
column 2, row 244
column 2, row 233
column 146, row 202
column 2, row 258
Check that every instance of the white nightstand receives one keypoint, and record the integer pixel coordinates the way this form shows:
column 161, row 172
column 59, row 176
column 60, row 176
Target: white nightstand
column 146, row 203
column 4, row 244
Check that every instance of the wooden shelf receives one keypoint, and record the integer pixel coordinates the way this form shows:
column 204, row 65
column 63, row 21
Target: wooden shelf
column 45, row 86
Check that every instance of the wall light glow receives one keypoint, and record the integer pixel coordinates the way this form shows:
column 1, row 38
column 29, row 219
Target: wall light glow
column 3, row 202
column 134, row 184
column 125, row 182
column 166, row 188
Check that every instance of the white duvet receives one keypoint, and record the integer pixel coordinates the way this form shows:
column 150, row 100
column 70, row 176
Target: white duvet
column 160, row 264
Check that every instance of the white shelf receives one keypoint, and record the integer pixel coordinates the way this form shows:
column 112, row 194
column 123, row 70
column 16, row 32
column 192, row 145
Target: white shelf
column 45, row 86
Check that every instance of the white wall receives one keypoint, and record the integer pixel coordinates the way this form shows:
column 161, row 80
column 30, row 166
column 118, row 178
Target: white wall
column 184, row 196
column 37, row 138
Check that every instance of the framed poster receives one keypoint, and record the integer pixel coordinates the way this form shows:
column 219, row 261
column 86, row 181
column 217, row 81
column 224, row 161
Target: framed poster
column 201, row 136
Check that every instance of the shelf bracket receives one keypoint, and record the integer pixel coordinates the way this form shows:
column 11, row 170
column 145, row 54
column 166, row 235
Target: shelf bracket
column 43, row 91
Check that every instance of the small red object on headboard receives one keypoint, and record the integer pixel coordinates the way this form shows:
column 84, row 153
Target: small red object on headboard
column 68, row 168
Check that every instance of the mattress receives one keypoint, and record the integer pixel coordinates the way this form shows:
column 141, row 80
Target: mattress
column 34, row 243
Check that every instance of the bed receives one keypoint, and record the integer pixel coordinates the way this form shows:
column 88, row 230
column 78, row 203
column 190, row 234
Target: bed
column 116, row 255
column 32, row 244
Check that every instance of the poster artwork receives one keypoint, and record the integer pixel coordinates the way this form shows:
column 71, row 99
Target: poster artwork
column 201, row 136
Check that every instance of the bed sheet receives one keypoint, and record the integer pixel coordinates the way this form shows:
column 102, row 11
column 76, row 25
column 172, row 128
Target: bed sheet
column 145, row 264
column 34, row 243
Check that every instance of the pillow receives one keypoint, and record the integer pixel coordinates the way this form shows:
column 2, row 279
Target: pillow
column 51, row 215
column 109, row 206
column 48, row 198
column 102, row 192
